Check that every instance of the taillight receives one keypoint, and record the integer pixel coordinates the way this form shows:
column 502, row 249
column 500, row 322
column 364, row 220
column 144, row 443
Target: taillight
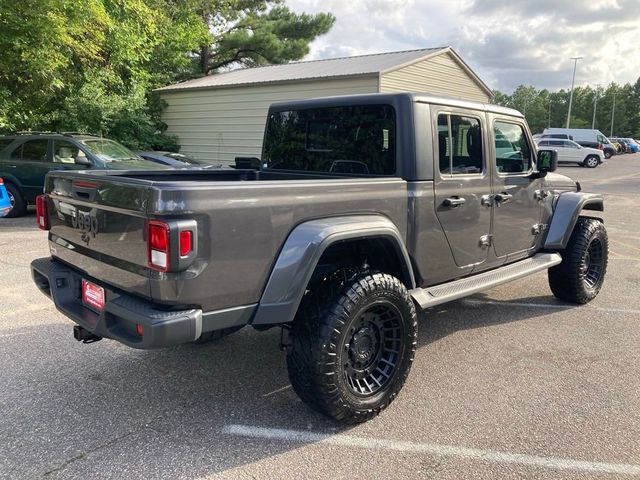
column 42, row 214
column 158, row 245
column 186, row 242
column 1, row 181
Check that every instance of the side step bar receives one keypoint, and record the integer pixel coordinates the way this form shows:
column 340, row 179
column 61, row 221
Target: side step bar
column 431, row 296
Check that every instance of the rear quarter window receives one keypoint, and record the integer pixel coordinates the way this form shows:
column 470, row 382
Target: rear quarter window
column 4, row 143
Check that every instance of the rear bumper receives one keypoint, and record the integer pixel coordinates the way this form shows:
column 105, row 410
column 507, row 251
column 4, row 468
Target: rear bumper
column 122, row 312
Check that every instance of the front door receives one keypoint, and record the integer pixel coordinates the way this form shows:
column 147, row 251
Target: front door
column 463, row 185
column 516, row 191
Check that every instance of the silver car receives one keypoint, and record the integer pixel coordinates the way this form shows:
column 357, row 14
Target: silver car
column 572, row 152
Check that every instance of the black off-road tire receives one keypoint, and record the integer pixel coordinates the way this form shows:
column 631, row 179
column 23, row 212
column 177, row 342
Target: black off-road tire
column 348, row 326
column 208, row 337
column 579, row 277
column 592, row 161
column 19, row 203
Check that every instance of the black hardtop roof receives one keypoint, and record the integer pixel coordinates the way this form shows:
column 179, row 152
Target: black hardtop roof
column 389, row 98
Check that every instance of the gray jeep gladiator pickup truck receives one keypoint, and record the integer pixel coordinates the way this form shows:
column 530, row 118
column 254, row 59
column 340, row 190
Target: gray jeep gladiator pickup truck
column 361, row 210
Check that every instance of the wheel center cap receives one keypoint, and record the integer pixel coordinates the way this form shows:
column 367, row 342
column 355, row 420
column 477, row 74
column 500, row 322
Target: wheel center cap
column 363, row 343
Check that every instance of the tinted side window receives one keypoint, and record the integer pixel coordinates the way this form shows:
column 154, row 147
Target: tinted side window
column 459, row 145
column 557, row 143
column 32, row 150
column 5, row 142
column 358, row 140
column 64, row 152
column 519, row 159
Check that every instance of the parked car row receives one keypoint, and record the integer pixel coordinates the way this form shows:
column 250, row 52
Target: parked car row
column 583, row 146
column 26, row 158
column 626, row 145
column 586, row 137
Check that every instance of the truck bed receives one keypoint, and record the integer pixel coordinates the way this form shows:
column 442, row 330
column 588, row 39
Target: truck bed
column 243, row 218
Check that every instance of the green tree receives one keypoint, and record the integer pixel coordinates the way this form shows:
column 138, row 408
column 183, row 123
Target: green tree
column 544, row 109
column 255, row 32
column 92, row 65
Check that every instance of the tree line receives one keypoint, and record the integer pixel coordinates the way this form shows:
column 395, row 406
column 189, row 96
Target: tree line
column 92, row 65
column 543, row 108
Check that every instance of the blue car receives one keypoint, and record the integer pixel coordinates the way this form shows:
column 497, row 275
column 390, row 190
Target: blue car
column 5, row 201
column 633, row 146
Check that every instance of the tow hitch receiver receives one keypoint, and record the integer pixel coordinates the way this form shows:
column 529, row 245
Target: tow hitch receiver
column 83, row 335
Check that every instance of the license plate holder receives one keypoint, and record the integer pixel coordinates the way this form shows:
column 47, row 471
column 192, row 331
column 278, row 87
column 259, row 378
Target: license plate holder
column 92, row 296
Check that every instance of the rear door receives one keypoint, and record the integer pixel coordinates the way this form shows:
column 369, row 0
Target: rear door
column 516, row 192
column 29, row 161
column 572, row 152
column 462, row 184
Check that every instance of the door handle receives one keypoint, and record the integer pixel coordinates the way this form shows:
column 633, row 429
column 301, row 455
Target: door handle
column 12, row 166
column 502, row 197
column 454, row 202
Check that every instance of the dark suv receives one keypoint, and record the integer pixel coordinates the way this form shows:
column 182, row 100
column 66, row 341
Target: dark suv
column 25, row 159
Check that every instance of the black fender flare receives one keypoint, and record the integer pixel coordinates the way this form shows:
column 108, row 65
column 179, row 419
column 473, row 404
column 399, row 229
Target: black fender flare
column 566, row 211
column 301, row 252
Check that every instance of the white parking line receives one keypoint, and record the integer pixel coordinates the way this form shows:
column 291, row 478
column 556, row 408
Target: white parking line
column 340, row 440
column 277, row 391
column 508, row 303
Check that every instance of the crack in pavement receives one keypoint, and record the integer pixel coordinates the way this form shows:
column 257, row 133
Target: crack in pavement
column 83, row 455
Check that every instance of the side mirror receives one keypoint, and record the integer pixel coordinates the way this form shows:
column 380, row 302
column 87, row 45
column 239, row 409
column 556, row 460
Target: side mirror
column 547, row 161
column 82, row 160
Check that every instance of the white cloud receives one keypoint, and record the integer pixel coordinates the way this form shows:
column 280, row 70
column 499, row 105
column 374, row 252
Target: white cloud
column 506, row 42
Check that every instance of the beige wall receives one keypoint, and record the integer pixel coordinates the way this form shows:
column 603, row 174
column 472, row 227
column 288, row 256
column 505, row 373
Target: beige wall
column 219, row 124
column 439, row 75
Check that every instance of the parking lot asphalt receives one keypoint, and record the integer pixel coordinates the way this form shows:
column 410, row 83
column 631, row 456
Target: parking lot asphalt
column 510, row 383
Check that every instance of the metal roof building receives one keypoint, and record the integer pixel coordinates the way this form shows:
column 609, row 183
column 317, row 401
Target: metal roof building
column 219, row 117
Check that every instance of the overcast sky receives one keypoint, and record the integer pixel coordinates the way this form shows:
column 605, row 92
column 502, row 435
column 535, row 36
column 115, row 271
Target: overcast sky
column 506, row 42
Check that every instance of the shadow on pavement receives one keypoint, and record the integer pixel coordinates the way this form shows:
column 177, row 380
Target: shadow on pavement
column 73, row 410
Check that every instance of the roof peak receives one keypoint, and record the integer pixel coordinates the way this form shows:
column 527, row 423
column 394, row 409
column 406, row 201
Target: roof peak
column 340, row 67
column 346, row 57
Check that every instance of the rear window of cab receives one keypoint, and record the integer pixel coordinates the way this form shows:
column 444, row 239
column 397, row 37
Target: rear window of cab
column 356, row 140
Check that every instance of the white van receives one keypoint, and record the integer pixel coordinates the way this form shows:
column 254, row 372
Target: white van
column 586, row 137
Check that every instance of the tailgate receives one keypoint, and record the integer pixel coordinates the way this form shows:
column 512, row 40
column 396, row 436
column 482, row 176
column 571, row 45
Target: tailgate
column 98, row 225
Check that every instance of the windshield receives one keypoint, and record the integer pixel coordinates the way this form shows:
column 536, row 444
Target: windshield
column 109, row 151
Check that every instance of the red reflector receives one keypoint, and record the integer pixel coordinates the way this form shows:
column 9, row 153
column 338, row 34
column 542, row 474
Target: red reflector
column 186, row 242
column 139, row 329
column 42, row 214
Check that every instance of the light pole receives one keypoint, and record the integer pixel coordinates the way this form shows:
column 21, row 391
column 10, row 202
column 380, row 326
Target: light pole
column 595, row 107
column 573, row 81
column 549, row 114
column 613, row 112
